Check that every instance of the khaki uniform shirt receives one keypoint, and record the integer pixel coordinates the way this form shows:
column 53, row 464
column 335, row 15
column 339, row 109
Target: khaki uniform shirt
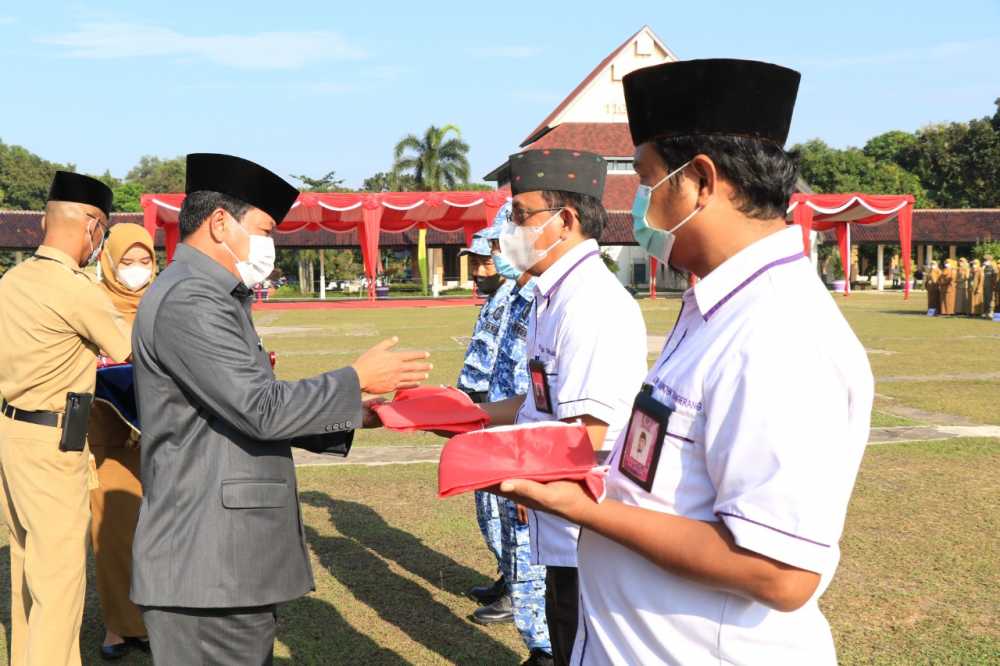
column 54, row 319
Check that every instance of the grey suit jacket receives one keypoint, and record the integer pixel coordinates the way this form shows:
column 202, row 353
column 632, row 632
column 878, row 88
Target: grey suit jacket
column 220, row 524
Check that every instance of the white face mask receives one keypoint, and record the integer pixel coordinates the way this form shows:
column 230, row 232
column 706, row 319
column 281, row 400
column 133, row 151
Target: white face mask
column 259, row 263
column 517, row 244
column 134, row 277
column 657, row 242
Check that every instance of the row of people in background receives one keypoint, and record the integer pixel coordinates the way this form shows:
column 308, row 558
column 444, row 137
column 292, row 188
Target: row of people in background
column 963, row 288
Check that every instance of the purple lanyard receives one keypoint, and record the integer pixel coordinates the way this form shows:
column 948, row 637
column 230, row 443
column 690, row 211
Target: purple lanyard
column 548, row 294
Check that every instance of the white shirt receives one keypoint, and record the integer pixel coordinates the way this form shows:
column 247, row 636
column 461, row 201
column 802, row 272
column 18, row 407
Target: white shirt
column 590, row 334
column 772, row 395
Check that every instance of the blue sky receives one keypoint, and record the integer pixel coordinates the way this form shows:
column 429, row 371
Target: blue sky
column 306, row 87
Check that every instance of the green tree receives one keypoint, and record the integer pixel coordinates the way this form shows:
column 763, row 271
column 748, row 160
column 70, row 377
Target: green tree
column 157, row 175
column 343, row 264
column 25, row 178
column 126, row 198
column 829, row 170
column 390, row 182
column 895, row 146
column 475, row 187
column 959, row 163
column 437, row 161
column 609, row 262
column 327, row 183
column 983, row 248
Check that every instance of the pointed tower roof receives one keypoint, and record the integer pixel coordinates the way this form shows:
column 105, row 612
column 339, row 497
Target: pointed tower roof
column 641, row 49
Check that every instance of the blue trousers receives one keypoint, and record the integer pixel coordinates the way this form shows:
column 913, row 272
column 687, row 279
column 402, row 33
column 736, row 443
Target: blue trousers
column 525, row 580
column 488, row 518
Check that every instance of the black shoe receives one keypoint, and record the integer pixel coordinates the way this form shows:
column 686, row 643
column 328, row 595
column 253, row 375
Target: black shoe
column 498, row 612
column 138, row 643
column 116, row 651
column 539, row 658
column 486, row 595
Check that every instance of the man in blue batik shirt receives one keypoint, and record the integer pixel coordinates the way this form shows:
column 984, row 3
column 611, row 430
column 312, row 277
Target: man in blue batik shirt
column 474, row 379
column 481, row 355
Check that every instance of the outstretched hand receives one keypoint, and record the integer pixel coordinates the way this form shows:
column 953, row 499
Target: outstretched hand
column 381, row 370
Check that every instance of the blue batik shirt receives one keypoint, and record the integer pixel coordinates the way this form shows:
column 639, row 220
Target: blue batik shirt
column 481, row 355
column 510, row 372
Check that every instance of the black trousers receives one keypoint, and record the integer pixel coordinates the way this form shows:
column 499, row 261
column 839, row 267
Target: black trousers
column 217, row 636
column 561, row 603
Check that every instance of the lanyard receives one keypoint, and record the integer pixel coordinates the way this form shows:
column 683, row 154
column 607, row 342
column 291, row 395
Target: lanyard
column 552, row 290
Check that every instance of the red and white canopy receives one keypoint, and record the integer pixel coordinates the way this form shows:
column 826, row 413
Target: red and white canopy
column 367, row 213
column 822, row 212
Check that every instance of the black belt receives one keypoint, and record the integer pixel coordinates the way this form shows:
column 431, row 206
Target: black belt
column 51, row 419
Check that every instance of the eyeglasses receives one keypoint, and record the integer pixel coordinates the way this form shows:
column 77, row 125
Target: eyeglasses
column 104, row 226
column 519, row 216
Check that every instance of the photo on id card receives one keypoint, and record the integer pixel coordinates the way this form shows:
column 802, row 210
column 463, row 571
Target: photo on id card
column 540, row 387
column 647, row 428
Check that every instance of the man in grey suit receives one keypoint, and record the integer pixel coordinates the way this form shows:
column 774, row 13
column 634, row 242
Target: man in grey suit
column 220, row 540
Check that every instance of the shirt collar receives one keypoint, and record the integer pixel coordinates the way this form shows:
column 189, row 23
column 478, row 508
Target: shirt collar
column 210, row 267
column 735, row 273
column 49, row 252
column 527, row 292
column 551, row 278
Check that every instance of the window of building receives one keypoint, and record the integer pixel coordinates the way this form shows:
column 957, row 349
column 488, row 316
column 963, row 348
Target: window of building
column 620, row 165
column 639, row 273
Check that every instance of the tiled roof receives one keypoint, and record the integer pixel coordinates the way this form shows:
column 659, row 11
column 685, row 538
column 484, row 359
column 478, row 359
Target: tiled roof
column 935, row 226
column 605, row 139
column 619, row 191
column 619, row 229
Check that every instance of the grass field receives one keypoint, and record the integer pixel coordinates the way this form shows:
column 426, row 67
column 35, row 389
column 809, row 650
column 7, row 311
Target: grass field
column 919, row 573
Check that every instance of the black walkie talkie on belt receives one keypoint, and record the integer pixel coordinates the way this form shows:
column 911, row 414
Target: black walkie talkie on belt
column 76, row 419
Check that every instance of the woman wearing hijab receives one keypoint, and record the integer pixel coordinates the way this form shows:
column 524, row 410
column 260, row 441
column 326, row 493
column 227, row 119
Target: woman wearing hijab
column 128, row 265
column 947, row 287
column 933, row 288
column 962, row 288
column 976, row 290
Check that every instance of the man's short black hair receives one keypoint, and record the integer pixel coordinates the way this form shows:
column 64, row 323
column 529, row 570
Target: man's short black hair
column 762, row 173
column 593, row 216
column 199, row 205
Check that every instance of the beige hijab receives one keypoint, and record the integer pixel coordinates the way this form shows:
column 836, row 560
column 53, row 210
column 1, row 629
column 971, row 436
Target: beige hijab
column 121, row 239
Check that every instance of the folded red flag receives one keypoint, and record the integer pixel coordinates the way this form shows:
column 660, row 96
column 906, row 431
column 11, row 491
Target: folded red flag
column 432, row 408
column 548, row 451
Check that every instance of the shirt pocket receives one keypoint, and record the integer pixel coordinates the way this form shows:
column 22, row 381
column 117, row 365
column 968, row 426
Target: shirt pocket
column 682, row 480
column 255, row 494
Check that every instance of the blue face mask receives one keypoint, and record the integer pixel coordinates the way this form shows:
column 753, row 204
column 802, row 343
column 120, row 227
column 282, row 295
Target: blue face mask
column 504, row 268
column 657, row 242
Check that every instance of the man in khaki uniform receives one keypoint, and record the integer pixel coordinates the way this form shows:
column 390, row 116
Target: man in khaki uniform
column 55, row 321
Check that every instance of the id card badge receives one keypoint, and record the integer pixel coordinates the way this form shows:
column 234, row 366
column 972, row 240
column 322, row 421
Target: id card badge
column 647, row 428
column 540, row 386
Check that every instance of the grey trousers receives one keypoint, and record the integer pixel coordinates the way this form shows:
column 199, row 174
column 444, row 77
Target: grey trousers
column 211, row 636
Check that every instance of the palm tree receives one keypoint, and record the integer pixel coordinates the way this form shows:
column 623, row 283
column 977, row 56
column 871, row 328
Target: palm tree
column 436, row 162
